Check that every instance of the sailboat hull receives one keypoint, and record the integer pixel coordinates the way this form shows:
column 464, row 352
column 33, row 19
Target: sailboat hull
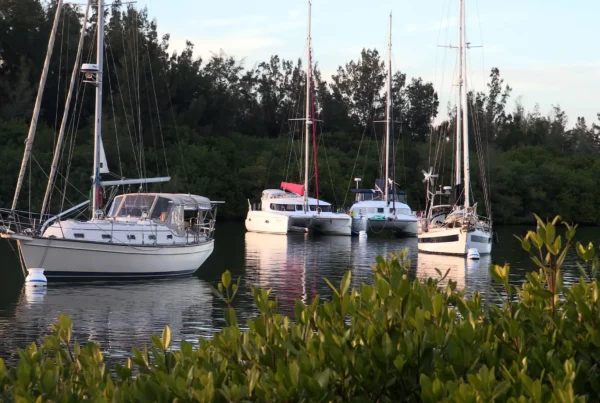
column 454, row 241
column 62, row 258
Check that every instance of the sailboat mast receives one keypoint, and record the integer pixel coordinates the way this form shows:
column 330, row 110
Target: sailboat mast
column 98, row 114
column 308, row 121
column 63, row 123
column 388, row 116
column 38, row 104
column 459, row 102
column 465, row 108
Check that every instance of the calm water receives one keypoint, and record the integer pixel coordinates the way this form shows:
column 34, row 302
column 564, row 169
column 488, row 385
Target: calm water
column 122, row 315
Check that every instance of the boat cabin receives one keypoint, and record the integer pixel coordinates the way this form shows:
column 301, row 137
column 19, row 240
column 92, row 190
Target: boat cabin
column 177, row 211
column 376, row 194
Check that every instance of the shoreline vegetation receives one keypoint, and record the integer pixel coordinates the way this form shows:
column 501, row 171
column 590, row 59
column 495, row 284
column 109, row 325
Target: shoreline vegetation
column 227, row 134
column 395, row 338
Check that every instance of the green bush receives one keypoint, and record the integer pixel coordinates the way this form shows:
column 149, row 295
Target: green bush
column 395, row 340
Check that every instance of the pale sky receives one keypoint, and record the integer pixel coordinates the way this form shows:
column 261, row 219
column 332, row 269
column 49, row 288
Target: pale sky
column 546, row 50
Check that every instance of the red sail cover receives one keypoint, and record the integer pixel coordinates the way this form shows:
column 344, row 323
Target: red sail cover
column 293, row 187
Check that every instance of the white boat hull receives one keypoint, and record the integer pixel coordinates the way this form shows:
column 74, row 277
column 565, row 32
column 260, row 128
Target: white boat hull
column 330, row 224
column 62, row 258
column 278, row 223
column 454, row 241
column 406, row 227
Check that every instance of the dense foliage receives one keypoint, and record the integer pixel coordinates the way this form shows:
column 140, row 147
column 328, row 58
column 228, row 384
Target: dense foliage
column 226, row 130
column 395, row 339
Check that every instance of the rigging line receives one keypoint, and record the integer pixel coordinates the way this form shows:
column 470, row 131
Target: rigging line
column 322, row 140
column 131, row 135
column 114, row 115
column 157, row 110
column 151, row 121
column 125, row 23
column 176, row 131
column 136, row 45
column 72, row 129
column 354, row 167
column 373, row 135
column 46, row 175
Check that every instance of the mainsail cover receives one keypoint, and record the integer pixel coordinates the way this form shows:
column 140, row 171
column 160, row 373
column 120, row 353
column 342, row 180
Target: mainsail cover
column 293, row 187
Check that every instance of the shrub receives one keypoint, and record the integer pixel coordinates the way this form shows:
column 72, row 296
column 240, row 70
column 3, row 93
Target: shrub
column 394, row 340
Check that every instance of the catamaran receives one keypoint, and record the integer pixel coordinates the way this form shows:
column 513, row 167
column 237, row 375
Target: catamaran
column 384, row 208
column 141, row 235
column 290, row 209
column 454, row 227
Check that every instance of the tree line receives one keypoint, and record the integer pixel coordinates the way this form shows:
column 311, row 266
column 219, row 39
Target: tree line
column 226, row 131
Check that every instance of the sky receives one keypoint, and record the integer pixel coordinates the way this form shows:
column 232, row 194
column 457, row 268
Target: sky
column 547, row 51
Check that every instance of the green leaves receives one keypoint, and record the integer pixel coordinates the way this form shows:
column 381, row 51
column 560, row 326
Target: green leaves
column 396, row 337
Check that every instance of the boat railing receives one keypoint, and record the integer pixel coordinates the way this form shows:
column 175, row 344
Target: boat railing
column 20, row 221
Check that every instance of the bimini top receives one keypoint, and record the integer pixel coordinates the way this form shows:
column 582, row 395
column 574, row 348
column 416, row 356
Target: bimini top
column 187, row 200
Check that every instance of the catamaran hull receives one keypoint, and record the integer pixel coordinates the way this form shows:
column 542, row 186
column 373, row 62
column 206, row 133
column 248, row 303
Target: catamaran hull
column 271, row 223
column 332, row 225
column 454, row 241
column 399, row 226
column 80, row 259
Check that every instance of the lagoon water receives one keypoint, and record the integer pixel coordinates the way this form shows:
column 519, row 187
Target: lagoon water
column 122, row 315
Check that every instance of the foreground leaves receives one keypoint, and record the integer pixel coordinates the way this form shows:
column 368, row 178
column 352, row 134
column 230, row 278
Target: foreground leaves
column 395, row 339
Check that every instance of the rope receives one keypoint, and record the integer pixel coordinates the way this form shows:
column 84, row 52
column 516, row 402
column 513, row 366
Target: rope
column 157, row 111
column 354, row 167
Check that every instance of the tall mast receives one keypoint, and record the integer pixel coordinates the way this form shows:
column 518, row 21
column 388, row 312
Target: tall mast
column 459, row 100
column 98, row 115
column 308, row 121
column 388, row 115
column 63, row 123
column 38, row 104
column 465, row 107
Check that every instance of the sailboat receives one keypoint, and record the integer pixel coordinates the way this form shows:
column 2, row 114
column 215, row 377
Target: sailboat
column 384, row 208
column 141, row 235
column 290, row 209
column 455, row 228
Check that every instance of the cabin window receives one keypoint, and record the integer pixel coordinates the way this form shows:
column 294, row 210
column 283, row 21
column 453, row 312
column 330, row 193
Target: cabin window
column 380, row 210
column 106, row 236
column 79, row 236
column 135, row 205
column 313, row 208
column 152, row 237
column 325, row 209
column 130, row 237
column 299, row 207
column 161, row 209
column 115, row 206
column 169, row 236
column 290, row 207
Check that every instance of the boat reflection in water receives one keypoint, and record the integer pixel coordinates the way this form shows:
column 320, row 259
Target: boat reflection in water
column 119, row 316
column 294, row 266
column 470, row 275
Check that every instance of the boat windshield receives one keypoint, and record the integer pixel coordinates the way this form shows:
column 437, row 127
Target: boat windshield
column 132, row 205
column 162, row 208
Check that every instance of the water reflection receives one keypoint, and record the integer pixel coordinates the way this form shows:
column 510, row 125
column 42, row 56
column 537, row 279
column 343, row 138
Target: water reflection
column 118, row 315
column 470, row 275
column 294, row 266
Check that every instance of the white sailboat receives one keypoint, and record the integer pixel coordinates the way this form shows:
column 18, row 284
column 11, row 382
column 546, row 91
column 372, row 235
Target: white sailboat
column 290, row 209
column 384, row 208
column 455, row 228
column 141, row 235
